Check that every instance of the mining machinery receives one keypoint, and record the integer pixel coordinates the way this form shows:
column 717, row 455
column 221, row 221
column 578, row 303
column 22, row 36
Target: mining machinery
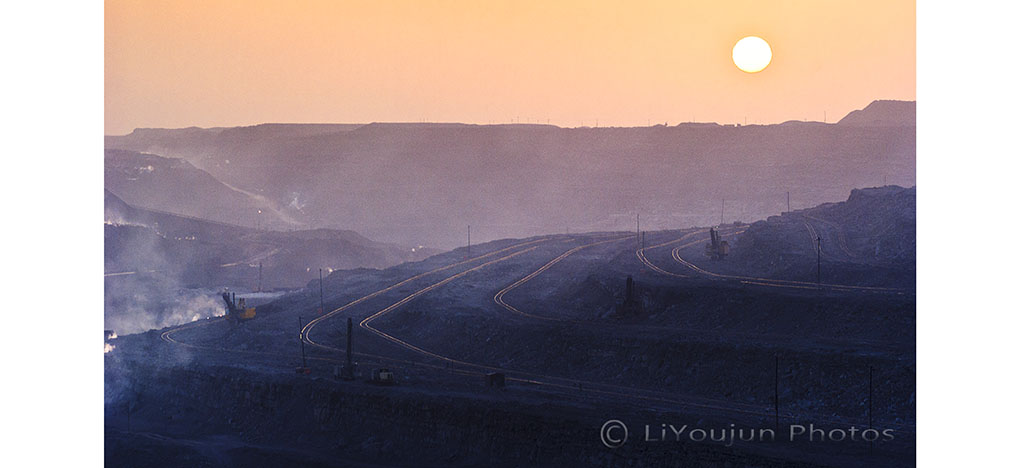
column 237, row 309
column 717, row 249
column 632, row 304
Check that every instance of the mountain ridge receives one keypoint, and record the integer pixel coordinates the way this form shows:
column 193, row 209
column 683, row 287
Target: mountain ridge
column 395, row 182
column 328, row 127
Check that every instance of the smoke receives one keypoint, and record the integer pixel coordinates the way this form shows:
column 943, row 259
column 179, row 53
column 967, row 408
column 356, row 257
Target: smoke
column 261, row 297
column 107, row 347
column 271, row 206
column 155, row 297
column 295, row 203
column 119, row 222
column 113, row 217
column 133, row 305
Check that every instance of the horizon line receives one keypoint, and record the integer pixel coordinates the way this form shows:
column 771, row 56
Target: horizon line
column 528, row 123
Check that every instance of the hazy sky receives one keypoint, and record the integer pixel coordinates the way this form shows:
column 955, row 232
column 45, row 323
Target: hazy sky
column 225, row 63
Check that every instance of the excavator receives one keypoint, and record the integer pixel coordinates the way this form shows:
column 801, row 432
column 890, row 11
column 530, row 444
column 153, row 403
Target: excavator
column 718, row 248
column 237, row 309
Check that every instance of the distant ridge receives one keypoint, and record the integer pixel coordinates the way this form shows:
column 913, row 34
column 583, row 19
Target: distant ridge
column 878, row 113
column 883, row 114
column 417, row 183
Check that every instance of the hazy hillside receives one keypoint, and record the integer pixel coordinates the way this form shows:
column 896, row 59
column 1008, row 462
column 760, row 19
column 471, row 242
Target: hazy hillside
column 205, row 246
column 174, row 185
column 162, row 269
column 870, row 238
column 423, row 183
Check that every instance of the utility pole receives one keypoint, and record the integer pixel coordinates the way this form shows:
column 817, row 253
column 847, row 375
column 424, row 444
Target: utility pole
column 819, row 260
column 469, row 243
column 348, row 345
column 723, row 213
column 348, row 351
column 776, row 391
column 302, row 346
column 643, row 240
column 321, row 291
column 788, row 209
column 259, row 284
column 638, row 229
column 871, row 385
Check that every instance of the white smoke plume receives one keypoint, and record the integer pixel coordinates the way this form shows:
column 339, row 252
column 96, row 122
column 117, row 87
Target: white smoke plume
column 154, row 298
column 152, row 306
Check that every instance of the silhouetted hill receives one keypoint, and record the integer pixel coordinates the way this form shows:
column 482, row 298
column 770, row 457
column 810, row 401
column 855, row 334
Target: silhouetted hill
column 884, row 114
column 423, row 183
column 868, row 239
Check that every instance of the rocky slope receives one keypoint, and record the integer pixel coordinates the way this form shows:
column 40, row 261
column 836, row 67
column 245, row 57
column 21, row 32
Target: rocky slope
column 872, row 235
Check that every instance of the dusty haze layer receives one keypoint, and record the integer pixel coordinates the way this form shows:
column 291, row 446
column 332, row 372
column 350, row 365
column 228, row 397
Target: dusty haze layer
column 422, row 184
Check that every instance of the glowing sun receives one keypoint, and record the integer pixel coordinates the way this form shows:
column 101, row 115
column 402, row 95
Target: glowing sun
column 751, row 54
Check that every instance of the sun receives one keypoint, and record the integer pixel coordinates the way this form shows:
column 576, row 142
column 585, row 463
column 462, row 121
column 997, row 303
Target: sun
column 751, row 54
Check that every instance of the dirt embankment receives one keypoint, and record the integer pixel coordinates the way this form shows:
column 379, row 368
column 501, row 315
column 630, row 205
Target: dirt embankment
column 223, row 417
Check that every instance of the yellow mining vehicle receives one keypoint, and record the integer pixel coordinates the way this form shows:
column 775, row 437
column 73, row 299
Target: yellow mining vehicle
column 237, row 309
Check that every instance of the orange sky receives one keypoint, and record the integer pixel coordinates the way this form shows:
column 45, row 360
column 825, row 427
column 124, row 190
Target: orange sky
column 224, row 63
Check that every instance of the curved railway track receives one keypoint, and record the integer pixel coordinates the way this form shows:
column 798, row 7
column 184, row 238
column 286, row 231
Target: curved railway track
column 541, row 380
